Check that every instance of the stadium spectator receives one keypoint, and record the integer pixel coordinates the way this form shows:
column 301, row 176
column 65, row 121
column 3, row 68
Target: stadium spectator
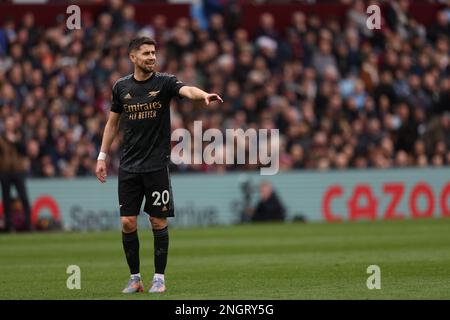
column 12, row 173
column 341, row 96
column 269, row 207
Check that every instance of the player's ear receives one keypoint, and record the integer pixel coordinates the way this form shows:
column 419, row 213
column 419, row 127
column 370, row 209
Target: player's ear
column 132, row 56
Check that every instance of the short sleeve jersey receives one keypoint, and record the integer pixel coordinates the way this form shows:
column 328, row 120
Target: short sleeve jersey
column 145, row 109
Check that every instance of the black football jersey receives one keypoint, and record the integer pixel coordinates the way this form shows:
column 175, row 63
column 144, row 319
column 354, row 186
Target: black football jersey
column 145, row 120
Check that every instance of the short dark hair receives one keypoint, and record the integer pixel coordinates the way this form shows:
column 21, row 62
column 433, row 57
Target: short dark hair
column 135, row 44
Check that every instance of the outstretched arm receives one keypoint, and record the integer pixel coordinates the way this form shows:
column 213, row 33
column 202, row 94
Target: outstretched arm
column 195, row 93
column 111, row 128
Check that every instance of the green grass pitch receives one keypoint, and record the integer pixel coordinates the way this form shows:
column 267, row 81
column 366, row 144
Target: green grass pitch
column 269, row 261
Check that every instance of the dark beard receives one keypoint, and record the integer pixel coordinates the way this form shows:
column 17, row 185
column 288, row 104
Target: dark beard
column 145, row 70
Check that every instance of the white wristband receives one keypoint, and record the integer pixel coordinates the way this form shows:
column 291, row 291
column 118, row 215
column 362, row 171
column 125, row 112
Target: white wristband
column 101, row 156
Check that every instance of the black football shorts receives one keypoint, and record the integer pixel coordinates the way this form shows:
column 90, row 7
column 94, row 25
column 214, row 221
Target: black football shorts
column 154, row 186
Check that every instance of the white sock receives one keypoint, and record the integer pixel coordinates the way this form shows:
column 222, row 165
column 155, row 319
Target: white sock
column 138, row 275
column 158, row 276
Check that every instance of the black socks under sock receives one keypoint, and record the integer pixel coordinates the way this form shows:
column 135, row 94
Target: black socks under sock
column 131, row 247
column 161, row 245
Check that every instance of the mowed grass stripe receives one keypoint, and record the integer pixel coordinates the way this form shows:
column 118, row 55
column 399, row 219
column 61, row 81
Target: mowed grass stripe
column 267, row 261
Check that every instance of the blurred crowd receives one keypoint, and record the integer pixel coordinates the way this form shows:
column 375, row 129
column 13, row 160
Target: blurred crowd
column 341, row 95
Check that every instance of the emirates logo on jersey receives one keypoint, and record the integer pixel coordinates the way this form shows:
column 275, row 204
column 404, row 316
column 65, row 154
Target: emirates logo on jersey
column 153, row 93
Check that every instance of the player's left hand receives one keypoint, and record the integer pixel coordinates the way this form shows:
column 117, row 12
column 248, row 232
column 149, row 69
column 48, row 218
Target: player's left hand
column 210, row 97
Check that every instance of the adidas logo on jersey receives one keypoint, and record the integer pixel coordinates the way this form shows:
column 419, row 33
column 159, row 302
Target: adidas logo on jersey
column 127, row 96
column 164, row 209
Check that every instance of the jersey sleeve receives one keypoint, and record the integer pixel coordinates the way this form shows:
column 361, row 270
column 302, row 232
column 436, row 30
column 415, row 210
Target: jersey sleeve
column 174, row 86
column 116, row 105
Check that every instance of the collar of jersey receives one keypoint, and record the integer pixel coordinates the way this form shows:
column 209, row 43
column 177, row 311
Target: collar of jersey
column 143, row 81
